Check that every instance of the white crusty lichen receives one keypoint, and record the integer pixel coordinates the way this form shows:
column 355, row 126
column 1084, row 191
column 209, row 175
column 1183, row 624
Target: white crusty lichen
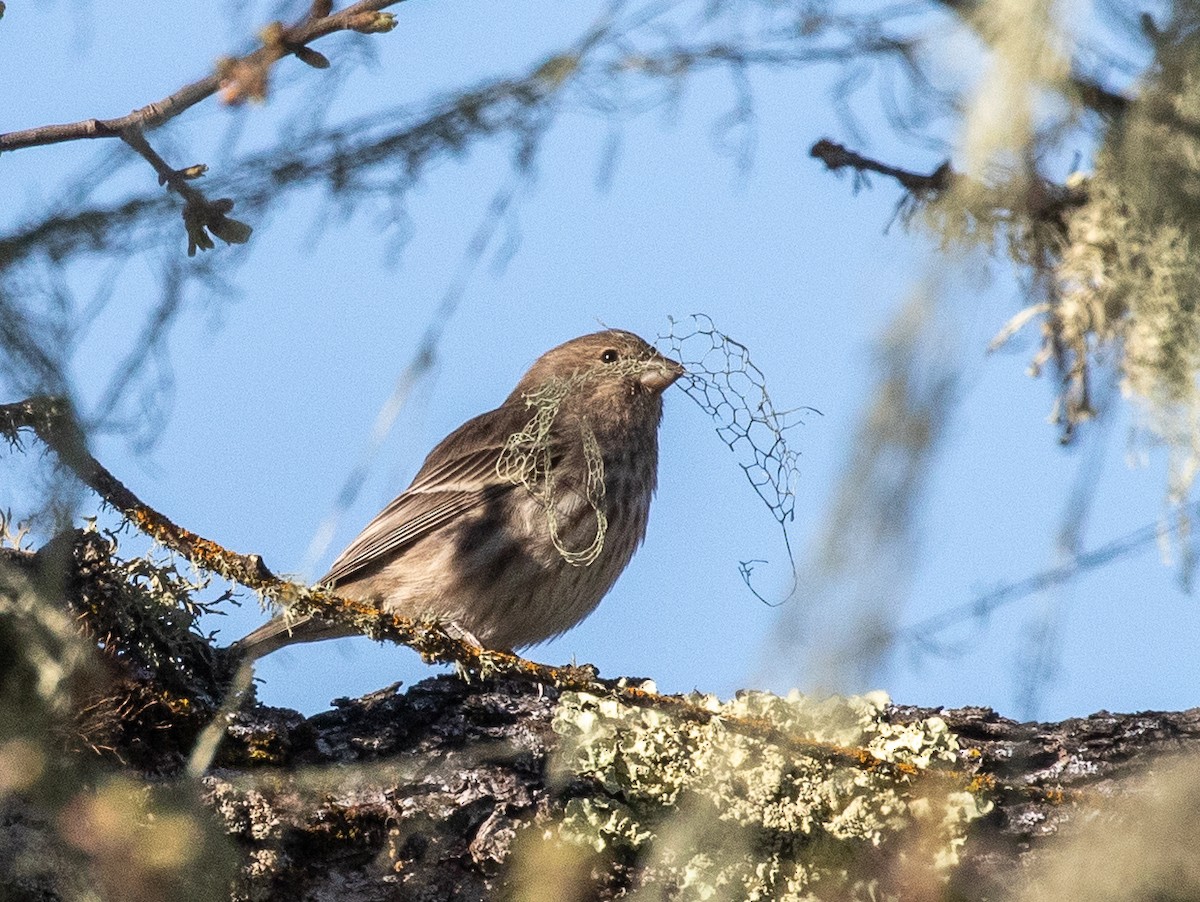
column 709, row 813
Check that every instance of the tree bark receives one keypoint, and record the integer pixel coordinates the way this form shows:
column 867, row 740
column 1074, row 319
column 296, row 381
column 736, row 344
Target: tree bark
column 449, row 790
column 449, row 774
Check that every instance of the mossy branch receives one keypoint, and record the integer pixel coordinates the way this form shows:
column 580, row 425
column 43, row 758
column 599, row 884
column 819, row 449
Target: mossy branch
column 54, row 422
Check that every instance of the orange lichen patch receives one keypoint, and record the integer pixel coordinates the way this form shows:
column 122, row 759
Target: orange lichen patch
column 982, row 783
column 1054, row 796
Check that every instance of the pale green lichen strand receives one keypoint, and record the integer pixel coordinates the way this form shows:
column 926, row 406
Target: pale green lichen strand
column 1127, row 277
column 527, row 456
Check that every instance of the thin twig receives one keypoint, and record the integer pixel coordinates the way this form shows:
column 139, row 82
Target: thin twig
column 984, row 605
column 201, row 216
column 238, row 79
column 1044, row 201
column 837, row 156
column 291, row 40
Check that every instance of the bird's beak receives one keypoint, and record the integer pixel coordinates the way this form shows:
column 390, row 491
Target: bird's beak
column 661, row 373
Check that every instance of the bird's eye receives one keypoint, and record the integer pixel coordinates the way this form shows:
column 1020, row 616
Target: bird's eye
column 609, row 356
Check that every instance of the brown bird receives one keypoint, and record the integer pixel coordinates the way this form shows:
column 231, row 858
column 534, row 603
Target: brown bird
column 521, row 519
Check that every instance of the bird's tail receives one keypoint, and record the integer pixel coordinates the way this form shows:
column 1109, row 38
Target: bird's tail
column 282, row 630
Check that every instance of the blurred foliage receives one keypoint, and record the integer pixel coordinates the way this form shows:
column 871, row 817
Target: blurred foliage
column 1108, row 245
column 77, row 702
column 1141, row 849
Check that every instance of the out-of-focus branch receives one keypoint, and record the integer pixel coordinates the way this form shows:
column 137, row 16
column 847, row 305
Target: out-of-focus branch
column 1088, row 90
column 200, row 215
column 983, row 606
column 1043, row 201
column 837, row 156
column 338, row 159
column 238, row 78
column 52, row 420
column 1098, row 98
column 614, row 75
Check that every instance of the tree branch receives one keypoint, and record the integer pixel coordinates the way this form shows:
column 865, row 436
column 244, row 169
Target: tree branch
column 200, row 215
column 53, row 421
column 279, row 41
column 837, row 156
column 237, row 79
column 1088, row 90
column 1043, row 201
column 1098, row 98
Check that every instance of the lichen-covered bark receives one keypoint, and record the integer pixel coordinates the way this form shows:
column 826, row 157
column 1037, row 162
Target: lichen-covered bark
column 421, row 794
column 501, row 789
column 1062, row 776
column 413, row 795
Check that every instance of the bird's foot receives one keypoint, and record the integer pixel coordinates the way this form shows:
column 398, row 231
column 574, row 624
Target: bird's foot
column 461, row 633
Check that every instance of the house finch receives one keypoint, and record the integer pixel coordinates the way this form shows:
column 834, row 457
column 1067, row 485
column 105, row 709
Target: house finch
column 521, row 519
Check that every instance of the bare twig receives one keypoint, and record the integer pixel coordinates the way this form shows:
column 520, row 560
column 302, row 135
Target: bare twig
column 1043, row 201
column 836, row 156
column 237, row 79
column 280, row 41
column 200, row 215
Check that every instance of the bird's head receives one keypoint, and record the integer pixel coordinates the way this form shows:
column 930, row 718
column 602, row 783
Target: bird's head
column 612, row 369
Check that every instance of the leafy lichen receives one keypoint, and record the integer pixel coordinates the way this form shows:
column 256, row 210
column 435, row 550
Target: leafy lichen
column 710, row 814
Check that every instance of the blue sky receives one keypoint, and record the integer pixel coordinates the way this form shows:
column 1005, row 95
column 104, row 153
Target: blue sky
column 276, row 387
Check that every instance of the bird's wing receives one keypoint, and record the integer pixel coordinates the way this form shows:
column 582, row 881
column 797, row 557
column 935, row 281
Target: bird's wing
column 458, row 476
